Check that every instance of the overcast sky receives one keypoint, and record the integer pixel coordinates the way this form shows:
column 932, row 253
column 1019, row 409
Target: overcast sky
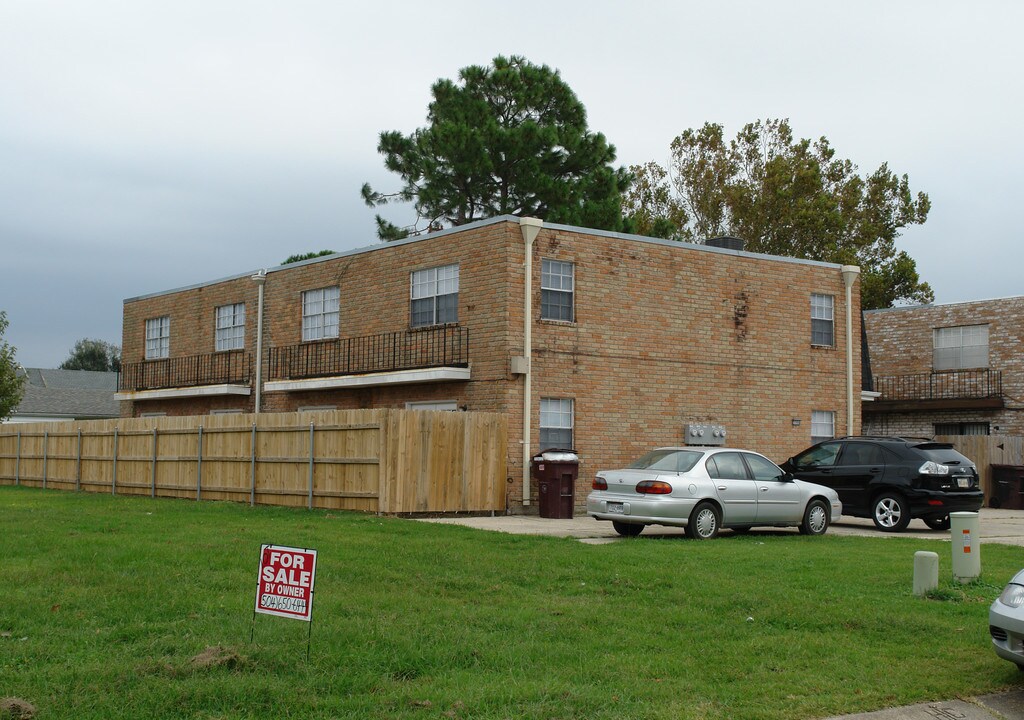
column 146, row 146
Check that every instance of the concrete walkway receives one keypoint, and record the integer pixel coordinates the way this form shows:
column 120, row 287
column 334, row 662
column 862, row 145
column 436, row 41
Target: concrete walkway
column 1000, row 706
column 998, row 526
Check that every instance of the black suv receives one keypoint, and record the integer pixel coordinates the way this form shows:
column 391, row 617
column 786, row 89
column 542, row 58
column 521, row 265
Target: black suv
column 893, row 479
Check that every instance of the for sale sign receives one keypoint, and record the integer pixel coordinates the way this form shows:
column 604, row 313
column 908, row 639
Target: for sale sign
column 285, row 585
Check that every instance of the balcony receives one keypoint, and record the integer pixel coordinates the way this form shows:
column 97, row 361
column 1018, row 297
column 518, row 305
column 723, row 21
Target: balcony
column 952, row 390
column 223, row 373
column 436, row 354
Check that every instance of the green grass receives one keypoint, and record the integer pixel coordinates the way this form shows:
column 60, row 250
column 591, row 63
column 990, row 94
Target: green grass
column 105, row 601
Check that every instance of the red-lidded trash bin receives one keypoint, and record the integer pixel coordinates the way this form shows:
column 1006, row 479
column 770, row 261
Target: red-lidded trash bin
column 555, row 471
column 1007, row 489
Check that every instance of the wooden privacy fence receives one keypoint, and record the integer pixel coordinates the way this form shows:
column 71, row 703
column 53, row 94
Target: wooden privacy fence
column 986, row 451
column 385, row 461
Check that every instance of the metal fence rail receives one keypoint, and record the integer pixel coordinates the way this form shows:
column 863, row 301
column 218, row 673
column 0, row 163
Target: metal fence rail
column 410, row 350
column 955, row 385
column 234, row 368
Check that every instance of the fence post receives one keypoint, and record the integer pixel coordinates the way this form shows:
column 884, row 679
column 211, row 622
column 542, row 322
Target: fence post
column 17, row 462
column 78, row 463
column 113, row 477
column 46, row 440
column 252, row 469
column 199, row 465
column 152, row 469
column 311, row 465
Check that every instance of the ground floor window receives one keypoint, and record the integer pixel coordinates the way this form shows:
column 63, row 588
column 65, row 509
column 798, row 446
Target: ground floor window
column 963, row 428
column 449, row 405
column 823, row 425
column 556, row 423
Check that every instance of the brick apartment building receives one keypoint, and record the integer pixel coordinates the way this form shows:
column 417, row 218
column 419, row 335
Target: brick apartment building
column 630, row 340
column 953, row 369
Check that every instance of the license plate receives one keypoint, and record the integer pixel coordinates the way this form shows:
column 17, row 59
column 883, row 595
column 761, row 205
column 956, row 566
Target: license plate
column 616, row 508
column 963, row 482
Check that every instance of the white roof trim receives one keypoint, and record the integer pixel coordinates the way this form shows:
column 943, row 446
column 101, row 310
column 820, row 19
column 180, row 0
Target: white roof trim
column 182, row 392
column 401, row 377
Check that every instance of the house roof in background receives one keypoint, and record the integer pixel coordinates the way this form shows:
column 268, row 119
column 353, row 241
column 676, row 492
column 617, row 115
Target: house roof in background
column 69, row 393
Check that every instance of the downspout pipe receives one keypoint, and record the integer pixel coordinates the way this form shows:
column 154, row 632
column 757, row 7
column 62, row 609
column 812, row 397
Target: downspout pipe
column 260, row 279
column 529, row 227
column 850, row 273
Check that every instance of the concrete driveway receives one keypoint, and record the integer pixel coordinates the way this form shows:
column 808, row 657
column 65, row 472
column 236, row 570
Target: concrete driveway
column 997, row 526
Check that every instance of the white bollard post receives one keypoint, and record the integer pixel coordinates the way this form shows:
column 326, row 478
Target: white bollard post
column 926, row 572
column 966, row 536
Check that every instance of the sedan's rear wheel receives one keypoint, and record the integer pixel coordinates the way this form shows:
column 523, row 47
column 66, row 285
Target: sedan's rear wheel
column 890, row 512
column 705, row 521
column 816, row 518
column 627, row 529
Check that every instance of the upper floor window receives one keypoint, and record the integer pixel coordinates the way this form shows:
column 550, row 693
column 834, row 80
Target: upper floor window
column 158, row 337
column 320, row 313
column 823, row 425
column 822, row 320
column 556, row 423
column 230, row 330
column 434, row 296
column 557, row 283
column 961, row 347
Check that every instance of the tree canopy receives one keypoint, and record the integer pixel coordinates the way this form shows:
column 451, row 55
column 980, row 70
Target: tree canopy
column 93, row 355
column 511, row 138
column 784, row 196
column 306, row 256
column 12, row 384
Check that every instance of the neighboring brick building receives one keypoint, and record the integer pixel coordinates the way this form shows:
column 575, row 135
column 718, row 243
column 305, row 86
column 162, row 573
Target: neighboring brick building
column 632, row 339
column 947, row 369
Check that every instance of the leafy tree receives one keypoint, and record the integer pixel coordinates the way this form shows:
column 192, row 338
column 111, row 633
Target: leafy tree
column 93, row 355
column 12, row 385
column 511, row 138
column 306, row 256
column 784, row 197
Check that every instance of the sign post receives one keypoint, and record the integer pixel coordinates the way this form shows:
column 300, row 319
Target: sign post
column 284, row 585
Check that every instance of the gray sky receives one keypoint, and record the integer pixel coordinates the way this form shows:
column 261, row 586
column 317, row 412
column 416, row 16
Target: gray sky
column 150, row 145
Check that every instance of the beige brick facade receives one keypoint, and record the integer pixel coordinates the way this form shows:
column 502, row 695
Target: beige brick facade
column 902, row 344
column 664, row 334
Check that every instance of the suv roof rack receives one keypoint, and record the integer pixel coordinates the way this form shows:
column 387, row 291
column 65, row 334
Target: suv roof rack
column 889, row 438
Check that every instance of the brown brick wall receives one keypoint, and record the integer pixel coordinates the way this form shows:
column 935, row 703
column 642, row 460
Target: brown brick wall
column 664, row 335
column 901, row 342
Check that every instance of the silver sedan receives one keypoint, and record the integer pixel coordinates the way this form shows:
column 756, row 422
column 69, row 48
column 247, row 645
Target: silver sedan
column 705, row 489
column 1006, row 622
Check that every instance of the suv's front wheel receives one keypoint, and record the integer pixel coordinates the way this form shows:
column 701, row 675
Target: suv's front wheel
column 890, row 512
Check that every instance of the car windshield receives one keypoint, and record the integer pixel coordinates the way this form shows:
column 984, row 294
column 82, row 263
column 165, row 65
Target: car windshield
column 668, row 460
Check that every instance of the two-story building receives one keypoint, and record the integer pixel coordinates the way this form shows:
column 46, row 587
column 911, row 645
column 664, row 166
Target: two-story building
column 954, row 369
column 606, row 343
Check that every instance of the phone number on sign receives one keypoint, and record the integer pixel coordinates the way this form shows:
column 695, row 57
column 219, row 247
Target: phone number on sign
column 286, row 604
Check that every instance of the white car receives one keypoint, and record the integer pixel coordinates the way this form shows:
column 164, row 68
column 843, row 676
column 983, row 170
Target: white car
column 705, row 489
column 1006, row 622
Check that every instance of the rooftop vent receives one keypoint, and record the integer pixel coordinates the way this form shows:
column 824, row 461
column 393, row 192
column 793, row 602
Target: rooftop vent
column 726, row 242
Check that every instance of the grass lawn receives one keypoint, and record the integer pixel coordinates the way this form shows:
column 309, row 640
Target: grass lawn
column 108, row 605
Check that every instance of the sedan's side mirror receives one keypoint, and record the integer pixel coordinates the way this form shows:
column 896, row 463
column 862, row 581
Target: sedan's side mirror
column 786, row 477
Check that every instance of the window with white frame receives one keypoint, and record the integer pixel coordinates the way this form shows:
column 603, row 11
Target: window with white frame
column 320, row 313
column 230, row 327
column 822, row 320
column 434, row 296
column 158, row 337
column 445, row 405
column 957, row 348
column 557, row 285
column 556, row 423
column 823, row 425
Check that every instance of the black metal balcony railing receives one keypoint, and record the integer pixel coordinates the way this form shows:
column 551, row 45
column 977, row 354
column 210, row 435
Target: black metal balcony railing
column 410, row 350
column 223, row 368
column 953, row 385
